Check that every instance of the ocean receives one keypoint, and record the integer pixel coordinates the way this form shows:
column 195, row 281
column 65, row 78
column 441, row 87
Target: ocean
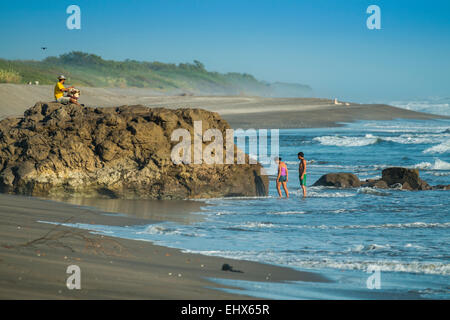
column 345, row 234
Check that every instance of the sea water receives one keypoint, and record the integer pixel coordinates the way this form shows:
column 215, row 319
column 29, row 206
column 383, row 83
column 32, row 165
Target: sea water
column 341, row 233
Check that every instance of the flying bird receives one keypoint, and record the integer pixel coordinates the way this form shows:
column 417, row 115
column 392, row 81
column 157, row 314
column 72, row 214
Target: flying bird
column 44, row 48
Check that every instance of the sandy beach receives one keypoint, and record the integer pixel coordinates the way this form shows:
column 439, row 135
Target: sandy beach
column 111, row 268
column 239, row 111
column 32, row 267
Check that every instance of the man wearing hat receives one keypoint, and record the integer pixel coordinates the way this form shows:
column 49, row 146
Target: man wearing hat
column 59, row 92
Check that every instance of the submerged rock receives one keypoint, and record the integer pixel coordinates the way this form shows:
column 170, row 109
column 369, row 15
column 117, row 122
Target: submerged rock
column 122, row 152
column 339, row 180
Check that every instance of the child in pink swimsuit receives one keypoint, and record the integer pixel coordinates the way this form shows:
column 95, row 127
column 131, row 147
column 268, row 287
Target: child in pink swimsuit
column 282, row 177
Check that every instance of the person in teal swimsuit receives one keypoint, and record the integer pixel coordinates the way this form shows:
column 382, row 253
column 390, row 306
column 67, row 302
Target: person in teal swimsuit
column 282, row 177
column 302, row 172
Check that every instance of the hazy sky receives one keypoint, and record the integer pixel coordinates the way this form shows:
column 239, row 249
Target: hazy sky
column 325, row 44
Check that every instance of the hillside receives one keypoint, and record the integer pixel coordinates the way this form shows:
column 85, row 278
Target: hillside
column 89, row 70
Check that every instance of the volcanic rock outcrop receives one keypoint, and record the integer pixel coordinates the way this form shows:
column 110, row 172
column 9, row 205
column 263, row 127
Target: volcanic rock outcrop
column 394, row 177
column 123, row 152
column 407, row 178
column 339, row 180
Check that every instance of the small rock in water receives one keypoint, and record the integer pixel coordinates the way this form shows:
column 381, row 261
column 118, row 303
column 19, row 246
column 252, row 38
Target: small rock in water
column 339, row 180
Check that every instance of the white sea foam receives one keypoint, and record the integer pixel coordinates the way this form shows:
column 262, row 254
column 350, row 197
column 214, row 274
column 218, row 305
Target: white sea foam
column 441, row 174
column 370, row 247
column 437, row 165
column 255, row 225
column 418, row 138
column 221, row 213
column 367, row 176
column 392, row 266
column 339, row 210
column 413, row 246
column 443, row 147
column 287, row 212
column 163, row 230
column 373, row 191
column 368, row 139
column 437, row 268
column 417, row 224
column 328, row 194
column 344, row 141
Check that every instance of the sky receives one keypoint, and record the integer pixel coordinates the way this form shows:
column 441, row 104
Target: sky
column 325, row 44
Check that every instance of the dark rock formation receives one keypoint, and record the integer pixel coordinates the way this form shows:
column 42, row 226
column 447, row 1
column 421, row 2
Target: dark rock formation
column 339, row 180
column 372, row 183
column 408, row 178
column 114, row 152
column 393, row 178
column 227, row 267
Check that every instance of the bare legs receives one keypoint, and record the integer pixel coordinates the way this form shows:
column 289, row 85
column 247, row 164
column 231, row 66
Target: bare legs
column 304, row 191
column 284, row 187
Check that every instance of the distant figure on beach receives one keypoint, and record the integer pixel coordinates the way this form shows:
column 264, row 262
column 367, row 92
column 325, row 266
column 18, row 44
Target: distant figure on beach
column 59, row 92
column 282, row 177
column 302, row 172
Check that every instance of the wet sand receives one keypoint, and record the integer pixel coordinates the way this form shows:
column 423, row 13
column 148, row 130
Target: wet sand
column 239, row 111
column 111, row 268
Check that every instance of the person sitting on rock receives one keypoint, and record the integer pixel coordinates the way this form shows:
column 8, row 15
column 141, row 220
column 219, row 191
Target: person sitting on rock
column 59, row 92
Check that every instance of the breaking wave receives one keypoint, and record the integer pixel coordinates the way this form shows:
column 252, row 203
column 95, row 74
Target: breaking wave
column 437, row 165
column 344, row 141
column 443, row 147
column 369, row 139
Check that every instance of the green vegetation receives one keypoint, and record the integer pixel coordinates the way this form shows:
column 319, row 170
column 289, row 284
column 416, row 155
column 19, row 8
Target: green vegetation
column 9, row 76
column 83, row 69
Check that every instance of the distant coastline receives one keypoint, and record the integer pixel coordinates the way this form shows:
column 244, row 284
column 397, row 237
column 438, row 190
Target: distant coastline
column 90, row 70
column 239, row 111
